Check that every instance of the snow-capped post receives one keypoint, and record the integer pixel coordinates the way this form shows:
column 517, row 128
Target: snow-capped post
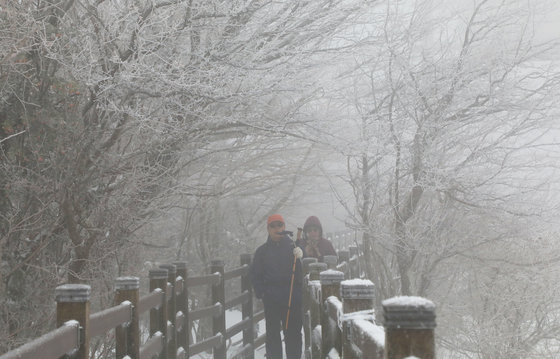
column 128, row 337
column 171, row 310
column 305, row 264
column 331, row 261
column 247, row 307
column 315, row 301
column 182, row 305
column 357, row 296
column 409, row 327
column 306, row 304
column 218, row 296
column 330, row 286
column 315, row 269
column 158, row 315
column 330, row 283
column 72, row 303
column 314, row 288
column 305, row 267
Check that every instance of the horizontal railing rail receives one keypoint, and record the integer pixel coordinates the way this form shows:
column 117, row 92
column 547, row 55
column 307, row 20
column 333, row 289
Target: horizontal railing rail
column 54, row 344
column 210, row 311
column 237, row 272
column 238, row 300
column 152, row 347
column 210, row 279
column 152, row 300
column 206, row 344
column 102, row 322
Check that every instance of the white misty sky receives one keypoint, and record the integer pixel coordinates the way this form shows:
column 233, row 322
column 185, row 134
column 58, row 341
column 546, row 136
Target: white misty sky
column 549, row 27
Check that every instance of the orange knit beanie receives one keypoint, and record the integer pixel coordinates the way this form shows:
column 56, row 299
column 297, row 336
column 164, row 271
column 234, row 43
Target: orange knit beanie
column 275, row 218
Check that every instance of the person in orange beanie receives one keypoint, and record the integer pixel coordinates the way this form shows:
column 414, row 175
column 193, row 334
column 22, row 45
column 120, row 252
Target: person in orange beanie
column 276, row 275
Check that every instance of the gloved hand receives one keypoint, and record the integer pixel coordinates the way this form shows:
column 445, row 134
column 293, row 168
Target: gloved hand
column 298, row 253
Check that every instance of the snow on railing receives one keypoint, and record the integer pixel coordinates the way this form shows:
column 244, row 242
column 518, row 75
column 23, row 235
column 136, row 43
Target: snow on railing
column 340, row 321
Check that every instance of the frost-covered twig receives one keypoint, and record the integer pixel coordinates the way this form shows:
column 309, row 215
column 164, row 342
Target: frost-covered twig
column 10, row 136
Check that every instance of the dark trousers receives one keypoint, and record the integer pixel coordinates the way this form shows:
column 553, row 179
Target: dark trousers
column 275, row 317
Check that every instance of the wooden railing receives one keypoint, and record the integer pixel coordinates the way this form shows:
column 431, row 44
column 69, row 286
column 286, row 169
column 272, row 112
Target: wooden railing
column 339, row 319
column 169, row 317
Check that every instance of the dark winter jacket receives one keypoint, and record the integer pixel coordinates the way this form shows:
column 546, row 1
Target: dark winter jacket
column 271, row 272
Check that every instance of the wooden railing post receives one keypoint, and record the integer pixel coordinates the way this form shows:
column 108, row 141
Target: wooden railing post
column 330, row 286
column 306, row 305
column 409, row 328
column 247, row 308
column 315, row 269
column 128, row 337
column 305, row 266
column 218, row 296
column 331, row 261
column 357, row 295
column 171, row 311
column 182, row 305
column 158, row 316
column 305, row 262
column 72, row 303
column 315, row 307
column 314, row 274
column 330, row 283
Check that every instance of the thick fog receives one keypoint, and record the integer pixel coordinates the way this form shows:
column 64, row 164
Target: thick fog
column 139, row 132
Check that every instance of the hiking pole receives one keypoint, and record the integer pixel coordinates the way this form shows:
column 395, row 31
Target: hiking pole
column 299, row 230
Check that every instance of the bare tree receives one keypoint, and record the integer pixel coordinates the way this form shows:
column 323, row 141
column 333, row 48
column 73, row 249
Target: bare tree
column 106, row 105
column 448, row 122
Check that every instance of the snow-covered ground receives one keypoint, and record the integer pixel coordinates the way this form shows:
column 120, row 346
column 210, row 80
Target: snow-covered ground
column 236, row 342
column 232, row 317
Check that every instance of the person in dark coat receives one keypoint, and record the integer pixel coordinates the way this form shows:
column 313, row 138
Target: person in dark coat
column 271, row 275
column 313, row 243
